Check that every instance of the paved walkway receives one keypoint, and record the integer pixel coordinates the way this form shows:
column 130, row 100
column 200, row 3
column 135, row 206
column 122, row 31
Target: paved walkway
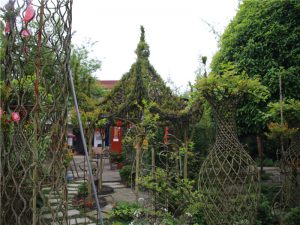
column 77, row 216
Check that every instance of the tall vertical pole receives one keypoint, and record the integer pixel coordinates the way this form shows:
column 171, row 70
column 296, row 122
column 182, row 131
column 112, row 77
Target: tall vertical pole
column 281, row 111
column 84, row 144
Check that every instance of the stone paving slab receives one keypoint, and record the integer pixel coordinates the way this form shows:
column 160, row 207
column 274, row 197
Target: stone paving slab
column 70, row 213
column 73, row 192
column 107, row 208
column 74, row 185
column 115, row 185
column 80, row 181
column 79, row 221
column 54, row 200
column 72, row 188
column 110, row 178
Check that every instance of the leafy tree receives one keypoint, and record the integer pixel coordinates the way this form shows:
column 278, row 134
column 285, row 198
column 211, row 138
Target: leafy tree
column 263, row 39
column 84, row 68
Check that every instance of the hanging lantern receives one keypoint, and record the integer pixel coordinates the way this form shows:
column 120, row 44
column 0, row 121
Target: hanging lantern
column 15, row 117
column 29, row 13
column 119, row 123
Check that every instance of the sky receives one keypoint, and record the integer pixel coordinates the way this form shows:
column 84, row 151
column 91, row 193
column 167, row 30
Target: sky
column 175, row 30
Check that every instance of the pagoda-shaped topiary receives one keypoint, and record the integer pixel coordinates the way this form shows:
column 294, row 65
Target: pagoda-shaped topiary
column 229, row 179
column 140, row 94
column 143, row 83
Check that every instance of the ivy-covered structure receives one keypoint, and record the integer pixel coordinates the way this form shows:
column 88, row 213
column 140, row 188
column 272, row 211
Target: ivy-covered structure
column 141, row 96
column 140, row 84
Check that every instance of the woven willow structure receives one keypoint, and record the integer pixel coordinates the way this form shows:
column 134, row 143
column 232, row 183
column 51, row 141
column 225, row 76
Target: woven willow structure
column 228, row 177
column 34, row 97
column 289, row 164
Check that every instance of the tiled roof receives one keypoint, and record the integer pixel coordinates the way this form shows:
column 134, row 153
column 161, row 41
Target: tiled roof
column 108, row 84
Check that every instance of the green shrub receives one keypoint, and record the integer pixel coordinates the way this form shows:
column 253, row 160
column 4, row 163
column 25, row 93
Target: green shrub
column 268, row 162
column 264, row 215
column 269, row 192
column 83, row 190
column 124, row 212
column 292, row 217
column 125, row 174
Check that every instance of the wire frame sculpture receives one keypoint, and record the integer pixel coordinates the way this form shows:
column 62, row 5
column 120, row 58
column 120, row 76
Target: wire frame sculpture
column 34, row 99
column 228, row 178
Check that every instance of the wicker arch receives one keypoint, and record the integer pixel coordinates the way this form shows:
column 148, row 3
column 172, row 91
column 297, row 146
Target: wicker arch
column 228, row 178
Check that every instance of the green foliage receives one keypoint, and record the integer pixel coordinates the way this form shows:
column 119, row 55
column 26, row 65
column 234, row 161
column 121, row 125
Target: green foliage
column 124, row 212
column 125, row 174
column 266, row 162
column 87, row 88
column 231, row 85
column 83, row 190
column 277, row 130
column 176, row 195
column 264, row 215
column 290, row 108
column 84, row 67
column 204, row 132
column 260, row 40
column 225, row 90
column 292, row 217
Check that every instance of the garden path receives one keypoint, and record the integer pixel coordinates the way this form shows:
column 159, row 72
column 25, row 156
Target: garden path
column 76, row 176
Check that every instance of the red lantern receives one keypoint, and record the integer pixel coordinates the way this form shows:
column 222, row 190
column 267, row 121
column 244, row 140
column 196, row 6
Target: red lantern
column 29, row 13
column 15, row 117
column 119, row 123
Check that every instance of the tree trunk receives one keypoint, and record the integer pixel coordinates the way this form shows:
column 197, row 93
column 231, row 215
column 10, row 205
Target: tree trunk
column 100, row 172
column 90, row 142
column 153, row 161
column 185, row 163
column 260, row 151
column 137, row 168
